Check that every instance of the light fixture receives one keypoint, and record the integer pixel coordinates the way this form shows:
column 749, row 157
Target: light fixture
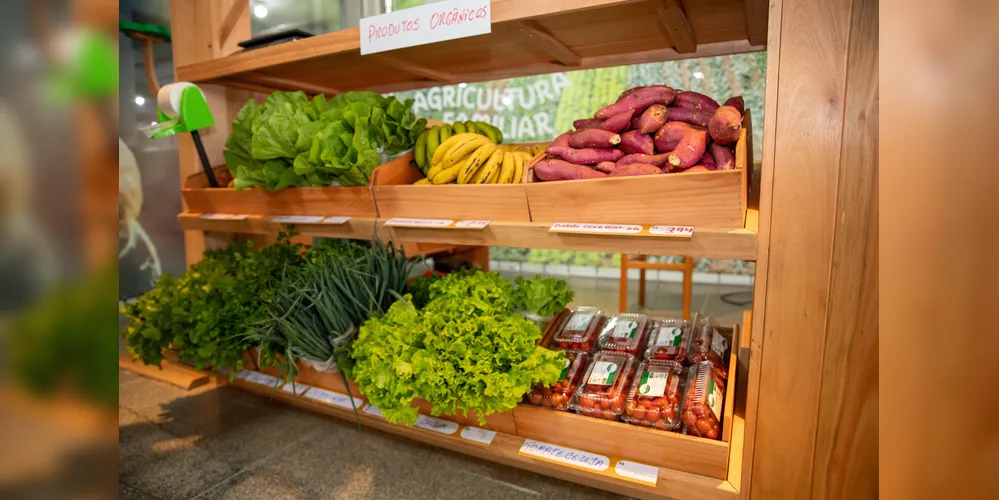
column 698, row 74
column 260, row 11
column 139, row 100
column 462, row 85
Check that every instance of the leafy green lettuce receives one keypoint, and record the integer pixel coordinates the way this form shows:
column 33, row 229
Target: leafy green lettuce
column 542, row 296
column 291, row 141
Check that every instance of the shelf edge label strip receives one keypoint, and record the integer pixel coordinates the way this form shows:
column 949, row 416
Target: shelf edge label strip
column 436, row 223
column 622, row 229
column 591, row 462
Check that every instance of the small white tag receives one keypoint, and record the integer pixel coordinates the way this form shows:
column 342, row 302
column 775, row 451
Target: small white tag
column 603, row 373
column 719, row 345
column 373, row 410
column 296, row 388
column 404, row 222
column 436, row 424
column 638, row 472
column 568, row 456
column 684, row 231
column 472, row 224
column 669, row 337
column 579, row 321
column 570, row 227
column 625, row 329
column 223, row 217
column 425, row 24
column 334, row 398
column 478, row 435
column 298, row 219
column 336, row 220
column 653, row 385
column 258, row 378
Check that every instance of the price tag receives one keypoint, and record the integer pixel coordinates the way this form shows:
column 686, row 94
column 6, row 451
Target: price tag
column 472, row 224
column 335, row 398
column 298, row 219
column 564, row 455
column 570, row 227
column 295, row 388
column 426, row 24
column 258, row 378
column 336, row 220
column 436, row 424
column 478, row 435
column 223, row 217
column 373, row 410
column 431, row 223
column 677, row 231
column 639, row 472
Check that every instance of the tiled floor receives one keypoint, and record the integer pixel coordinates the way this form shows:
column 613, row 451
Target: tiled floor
column 223, row 443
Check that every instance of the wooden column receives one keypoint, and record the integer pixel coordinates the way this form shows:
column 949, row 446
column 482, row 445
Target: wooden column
column 812, row 412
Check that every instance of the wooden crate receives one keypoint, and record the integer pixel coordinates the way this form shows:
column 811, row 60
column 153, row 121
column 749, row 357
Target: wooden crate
column 672, row 450
column 712, row 199
column 396, row 196
column 355, row 201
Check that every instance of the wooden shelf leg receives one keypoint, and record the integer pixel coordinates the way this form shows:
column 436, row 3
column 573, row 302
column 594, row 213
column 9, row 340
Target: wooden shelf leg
column 688, row 281
column 641, row 283
column 623, row 306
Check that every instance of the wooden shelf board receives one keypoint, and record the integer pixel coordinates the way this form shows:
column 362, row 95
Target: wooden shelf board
column 505, row 450
column 706, row 242
column 170, row 372
column 585, row 34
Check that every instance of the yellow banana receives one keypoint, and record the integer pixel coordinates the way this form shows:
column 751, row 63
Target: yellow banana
column 475, row 161
column 447, row 145
column 434, row 170
column 447, row 175
column 462, row 150
column 446, row 132
column 422, row 182
column 433, row 141
column 490, row 131
column 420, row 152
column 518, row 172
column 487, row 170
column 507, row 168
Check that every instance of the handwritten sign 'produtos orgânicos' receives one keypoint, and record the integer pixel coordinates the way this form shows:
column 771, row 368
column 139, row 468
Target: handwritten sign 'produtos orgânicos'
column 426, row 24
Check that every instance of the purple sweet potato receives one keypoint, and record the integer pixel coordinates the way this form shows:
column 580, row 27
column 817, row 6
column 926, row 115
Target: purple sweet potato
column 654, row 94
column 616, row 123
column 624, row 104
column 737, row 103
column 606, row 166
column 725, row 125
column 723, row 157
column 670, row 134
column 585, row 124
column 635, row 142
column 700, row 117
column 698, row 168
column 631, row 91
column 652, row 119
column 594, row 138
column 694, row 100
column 708, row 160
column 634, row 123
column 635, row 169
column 559, row 145
column 657, row 160
column 590, row 156
column 689, row 151
column 558, row 170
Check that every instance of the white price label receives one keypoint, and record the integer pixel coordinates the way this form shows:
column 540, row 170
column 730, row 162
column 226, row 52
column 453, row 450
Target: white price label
column 298, row 219
column 681, row 231
column 478, row 435
column 472, row 224
column 334, row 398
column 223, row 217
column 602, row 373
column 568, row 456
column 426, row 24
column 336, row 220
column 638, row 472
column 570, row 227
column 404, row 222
column 436, row 424
column 373, row 410
column 258, row 378
column 295, row 388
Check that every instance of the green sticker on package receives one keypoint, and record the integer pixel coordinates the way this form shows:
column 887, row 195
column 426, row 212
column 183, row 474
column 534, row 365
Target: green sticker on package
column 603, row 373
column 653, row 385
column 625, row 329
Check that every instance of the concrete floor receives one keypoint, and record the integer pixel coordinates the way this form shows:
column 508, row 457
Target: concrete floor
column 223, row 443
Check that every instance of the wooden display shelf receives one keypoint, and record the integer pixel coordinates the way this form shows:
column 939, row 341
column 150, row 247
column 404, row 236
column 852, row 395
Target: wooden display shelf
column 528, row 38
column 505, row 448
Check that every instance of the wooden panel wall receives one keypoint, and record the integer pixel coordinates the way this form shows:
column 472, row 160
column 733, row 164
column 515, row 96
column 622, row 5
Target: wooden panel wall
column 815, row 420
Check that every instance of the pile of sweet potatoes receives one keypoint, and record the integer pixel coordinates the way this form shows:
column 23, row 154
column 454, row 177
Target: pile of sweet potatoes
column 649, row 130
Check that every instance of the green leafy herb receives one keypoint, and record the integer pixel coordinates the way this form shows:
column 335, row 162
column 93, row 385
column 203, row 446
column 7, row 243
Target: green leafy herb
column 542, row 296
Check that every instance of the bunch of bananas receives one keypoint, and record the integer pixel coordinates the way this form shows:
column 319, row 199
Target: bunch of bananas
column 531, row 150
column 474, row 159
column 431, row 139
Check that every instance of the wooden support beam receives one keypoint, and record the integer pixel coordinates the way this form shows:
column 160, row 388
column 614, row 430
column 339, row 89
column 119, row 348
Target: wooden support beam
column 275, row 83
column 757, row 12
column 235, row 10
column 416, row 69
column 675, row 23
column 549, row 44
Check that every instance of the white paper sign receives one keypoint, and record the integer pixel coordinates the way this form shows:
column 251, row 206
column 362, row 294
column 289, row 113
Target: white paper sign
column 638, row 472
column 568, row 456
column 258, row 378
column 404, row 222
column 683, row 231
column 373, row 410
column 478, row 435
column 296, row 388
column 224, row 217
column 334, row 398
column 336, row 220
column 298, row 219
column 472, row 224
column 570, row 227
column 436, row 424
column 426, row 24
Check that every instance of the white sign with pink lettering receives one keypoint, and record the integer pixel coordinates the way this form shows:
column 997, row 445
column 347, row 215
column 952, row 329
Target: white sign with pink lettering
column 431, row 23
